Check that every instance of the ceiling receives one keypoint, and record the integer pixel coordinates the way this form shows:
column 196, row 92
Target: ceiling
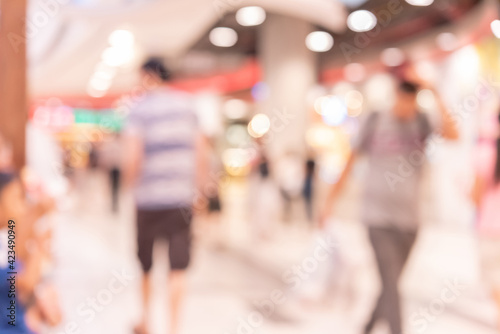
column 64, row 52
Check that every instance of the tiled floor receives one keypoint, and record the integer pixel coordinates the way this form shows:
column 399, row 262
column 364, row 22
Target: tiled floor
column 97, row 275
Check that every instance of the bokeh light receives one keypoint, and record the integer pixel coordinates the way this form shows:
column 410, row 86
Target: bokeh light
column 251, row 16
column 223, row 37
column 319, row 41
column 259, row 125
column 361, row 20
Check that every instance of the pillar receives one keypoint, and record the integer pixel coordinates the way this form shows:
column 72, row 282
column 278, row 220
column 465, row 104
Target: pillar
column 13, row 97
column 289, row 71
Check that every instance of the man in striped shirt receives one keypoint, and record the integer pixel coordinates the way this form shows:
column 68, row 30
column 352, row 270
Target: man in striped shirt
column 164, row 152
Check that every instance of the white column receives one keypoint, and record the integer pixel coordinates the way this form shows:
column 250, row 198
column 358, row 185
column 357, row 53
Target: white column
column 289, row 70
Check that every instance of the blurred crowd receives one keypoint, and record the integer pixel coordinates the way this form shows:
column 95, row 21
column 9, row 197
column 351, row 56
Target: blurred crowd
column 176, row 173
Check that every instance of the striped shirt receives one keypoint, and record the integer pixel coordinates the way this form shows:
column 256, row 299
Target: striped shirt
column 165, row 120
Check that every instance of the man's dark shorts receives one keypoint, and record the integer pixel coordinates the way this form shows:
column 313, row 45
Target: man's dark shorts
column 173, row 225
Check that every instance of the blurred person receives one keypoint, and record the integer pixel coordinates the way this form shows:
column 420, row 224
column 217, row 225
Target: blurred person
column 11, row 207
column 262, row 199
column 290, row 177
column 45, row 186
column 31, row 197
column 110, row 156
column 265, row 198
column 395, row 145
column 216, row 170
column 308, row 189
column 213, row 231
column 165, row 161
column 486, row 196
column 93, row 157
column 36, row 305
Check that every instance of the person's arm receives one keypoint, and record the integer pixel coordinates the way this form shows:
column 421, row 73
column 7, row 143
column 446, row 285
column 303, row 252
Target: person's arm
column 336, row 189
column 202, row 167
column 133, row 158
column 448, row 128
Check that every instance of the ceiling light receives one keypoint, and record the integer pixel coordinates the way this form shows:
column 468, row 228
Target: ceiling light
column 251, row 16
column 121, row 39
column 319, row 41
column 420, row 2
column 104, row 74
column 361, row 20
column 223, row 37
column 117, row 57
column 100, row 83
column 495, row 27
column 353, row 3
column 392, row 57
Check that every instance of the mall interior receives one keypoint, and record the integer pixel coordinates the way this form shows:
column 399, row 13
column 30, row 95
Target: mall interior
column 279, row 231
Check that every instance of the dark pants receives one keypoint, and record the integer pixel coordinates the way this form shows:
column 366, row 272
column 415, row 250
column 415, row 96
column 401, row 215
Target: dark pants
column 114, row 177
column 173, row 225
column 392, row 248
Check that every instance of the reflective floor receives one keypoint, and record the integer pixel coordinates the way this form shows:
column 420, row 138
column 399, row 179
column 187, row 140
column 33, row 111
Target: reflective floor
column 238, row 285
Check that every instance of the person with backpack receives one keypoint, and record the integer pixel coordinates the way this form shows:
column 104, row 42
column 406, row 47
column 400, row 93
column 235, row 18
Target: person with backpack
column 394, row 142
column 486, row 196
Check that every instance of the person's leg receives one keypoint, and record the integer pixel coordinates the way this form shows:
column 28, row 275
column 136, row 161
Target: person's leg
column 115, row 175
column 404, row 245
column 145, row 240
column 378, row 239
column 287, row 204
column 391, row 250
column 142, row 327
column 179, row 254
column 309, row 207
column 177, row 289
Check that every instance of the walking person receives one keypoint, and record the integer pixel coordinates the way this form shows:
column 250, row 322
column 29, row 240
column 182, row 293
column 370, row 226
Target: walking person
column 164, row 162
column 290, row 176
column 110, row 156
column 308, row 189
column 394, row 143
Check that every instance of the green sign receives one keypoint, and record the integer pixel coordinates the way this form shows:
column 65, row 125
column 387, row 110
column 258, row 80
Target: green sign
column 104, row 117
